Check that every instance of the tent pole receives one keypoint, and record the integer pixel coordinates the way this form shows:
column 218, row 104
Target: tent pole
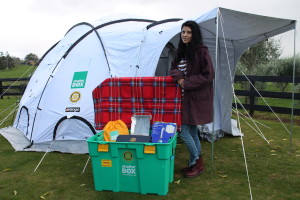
column 43, row 156
column 293, row 91
column 86, row 164
column 216, row 69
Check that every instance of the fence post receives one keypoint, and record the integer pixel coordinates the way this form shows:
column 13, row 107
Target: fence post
column 252, row 98
column 1, row 90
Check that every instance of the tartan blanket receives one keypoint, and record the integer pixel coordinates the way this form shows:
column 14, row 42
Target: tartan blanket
column 121, row 98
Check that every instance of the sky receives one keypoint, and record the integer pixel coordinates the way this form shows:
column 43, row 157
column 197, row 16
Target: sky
column 33, row 26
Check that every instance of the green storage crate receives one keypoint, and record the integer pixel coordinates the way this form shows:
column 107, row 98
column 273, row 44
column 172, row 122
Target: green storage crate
column 145, row 168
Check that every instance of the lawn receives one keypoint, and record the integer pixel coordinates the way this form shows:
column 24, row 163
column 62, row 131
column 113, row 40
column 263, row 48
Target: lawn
column 273, row 168
column 20, row 71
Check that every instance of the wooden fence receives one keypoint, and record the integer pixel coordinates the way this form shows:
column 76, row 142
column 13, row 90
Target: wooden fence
column 252, row 93
column 19, row 88
column 13, row 86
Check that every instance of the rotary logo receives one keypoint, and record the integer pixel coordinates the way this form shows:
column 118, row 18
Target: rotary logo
column 127, row 156
column 75, row 97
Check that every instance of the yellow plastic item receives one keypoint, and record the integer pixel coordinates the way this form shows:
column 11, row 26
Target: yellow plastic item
column 117, row 125
column 103, row 147
column 149, row 149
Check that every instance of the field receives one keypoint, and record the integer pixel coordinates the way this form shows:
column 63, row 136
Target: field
column 23, row 71
column 273, row 168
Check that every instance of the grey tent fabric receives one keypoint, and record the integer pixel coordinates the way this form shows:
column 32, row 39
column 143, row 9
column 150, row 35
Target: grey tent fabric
column 238, row 31
column 20, row 143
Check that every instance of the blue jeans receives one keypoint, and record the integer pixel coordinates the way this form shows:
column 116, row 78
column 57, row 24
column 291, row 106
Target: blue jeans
column 189, row 135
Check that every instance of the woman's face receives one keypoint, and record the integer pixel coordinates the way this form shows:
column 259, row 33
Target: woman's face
column 186, row 34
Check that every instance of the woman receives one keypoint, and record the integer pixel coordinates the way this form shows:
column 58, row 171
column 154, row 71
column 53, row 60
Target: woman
column 193, row 70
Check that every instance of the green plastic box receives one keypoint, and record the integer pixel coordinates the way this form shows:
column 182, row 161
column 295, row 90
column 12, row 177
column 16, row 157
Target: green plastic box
column 145, row 168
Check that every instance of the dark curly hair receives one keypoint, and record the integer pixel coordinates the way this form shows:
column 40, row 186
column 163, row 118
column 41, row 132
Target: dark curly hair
column 188, row 51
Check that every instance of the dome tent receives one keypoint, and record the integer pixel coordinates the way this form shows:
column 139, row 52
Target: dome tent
column 58, row 105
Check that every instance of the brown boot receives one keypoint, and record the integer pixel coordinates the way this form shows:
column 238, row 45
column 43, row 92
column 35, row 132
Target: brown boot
column 200, row 165
column 185, row 169
column 193, row 172
column 196, row 169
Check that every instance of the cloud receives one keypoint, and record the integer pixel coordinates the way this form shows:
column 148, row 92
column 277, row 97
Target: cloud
column 68, row 7
column 33, row 26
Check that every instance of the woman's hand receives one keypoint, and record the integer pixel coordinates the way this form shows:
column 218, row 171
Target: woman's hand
column 180, row 82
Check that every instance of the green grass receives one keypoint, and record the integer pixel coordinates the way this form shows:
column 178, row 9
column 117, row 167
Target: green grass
column 23, row 71
column 286, row 103
column 273, row 169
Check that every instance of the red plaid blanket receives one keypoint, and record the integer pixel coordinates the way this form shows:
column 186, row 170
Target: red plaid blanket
column 121, row 98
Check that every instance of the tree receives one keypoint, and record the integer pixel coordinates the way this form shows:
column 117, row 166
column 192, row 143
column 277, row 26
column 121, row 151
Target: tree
column 284, row 67
column 31, row 59
column 17, row 61
column 256, row 61
column 6, row 62
column 261, row 53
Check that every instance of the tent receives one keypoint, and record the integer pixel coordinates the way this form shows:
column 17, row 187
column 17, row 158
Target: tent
column 58, row 106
